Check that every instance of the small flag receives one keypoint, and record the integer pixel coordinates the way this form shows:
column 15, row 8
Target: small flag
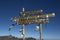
column 10, row 28
column 37, row 28
column 22, row 31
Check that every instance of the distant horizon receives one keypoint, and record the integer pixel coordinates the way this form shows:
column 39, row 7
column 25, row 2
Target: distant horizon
column 30, row 37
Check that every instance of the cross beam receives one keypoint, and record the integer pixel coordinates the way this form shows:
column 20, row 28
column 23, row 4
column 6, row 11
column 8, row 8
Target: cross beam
column 31, row 19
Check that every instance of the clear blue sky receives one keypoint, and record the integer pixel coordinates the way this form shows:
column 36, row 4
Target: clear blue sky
column 11, row 8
